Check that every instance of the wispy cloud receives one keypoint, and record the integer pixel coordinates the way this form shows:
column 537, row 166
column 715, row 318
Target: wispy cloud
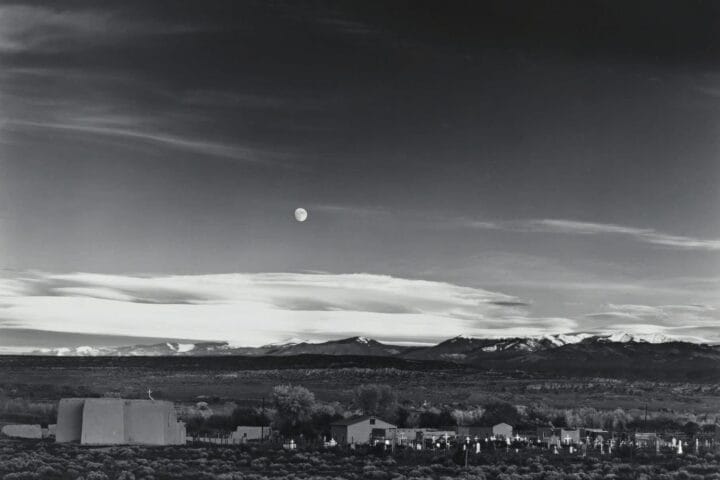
column 203, row 147
column 25, row 27
column 47, row 29
column 350, row 209
column 572, row 227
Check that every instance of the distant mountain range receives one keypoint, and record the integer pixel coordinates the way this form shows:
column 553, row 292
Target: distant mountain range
column 458, row 349
column 357, row 346
column 581, row 354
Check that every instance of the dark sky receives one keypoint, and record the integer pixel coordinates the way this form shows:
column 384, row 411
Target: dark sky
column 561, row 154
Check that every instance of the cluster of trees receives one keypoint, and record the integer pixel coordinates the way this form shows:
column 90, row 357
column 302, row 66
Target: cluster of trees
column 617, row 419
column 225, row 423
column 26, row 411
column 294, row 410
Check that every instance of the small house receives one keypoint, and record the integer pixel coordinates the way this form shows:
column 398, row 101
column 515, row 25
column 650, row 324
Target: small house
column 367, row 429
column 474, row 431
column 502, row 430
column 570, row 436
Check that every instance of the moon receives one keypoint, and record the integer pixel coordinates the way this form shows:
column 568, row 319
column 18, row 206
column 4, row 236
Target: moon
column 301, row 214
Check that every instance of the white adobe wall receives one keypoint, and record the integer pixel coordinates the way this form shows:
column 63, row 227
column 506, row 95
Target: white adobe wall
column 103, row 421
column 22, row 431
column 150, row 422
column 69, row 420
column 115, row 421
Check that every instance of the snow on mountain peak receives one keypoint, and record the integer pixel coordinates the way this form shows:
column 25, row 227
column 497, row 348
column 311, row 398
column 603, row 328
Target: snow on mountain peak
column 560, row 339
column 625, row 337
column 86, row 350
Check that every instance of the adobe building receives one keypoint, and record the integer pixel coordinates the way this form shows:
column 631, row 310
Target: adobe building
column 473, row 431
column 502, row 430
column 115, row 421
column 570, row 436
column 362, row 430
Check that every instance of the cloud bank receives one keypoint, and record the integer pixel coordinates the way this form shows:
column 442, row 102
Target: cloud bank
column 260, row 308
column 686, row 322
column 252, row 309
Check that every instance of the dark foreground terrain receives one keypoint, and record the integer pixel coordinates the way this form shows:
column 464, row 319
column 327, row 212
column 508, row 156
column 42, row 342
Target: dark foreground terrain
column 37, row 460
column 30, row 387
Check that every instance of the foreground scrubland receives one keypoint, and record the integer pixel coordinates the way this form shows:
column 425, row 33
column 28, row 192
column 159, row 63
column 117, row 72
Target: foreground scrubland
column 41, row 460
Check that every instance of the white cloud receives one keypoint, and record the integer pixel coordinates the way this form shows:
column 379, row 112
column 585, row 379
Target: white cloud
column 261, row 308
column 691, row 322
column 254, row 309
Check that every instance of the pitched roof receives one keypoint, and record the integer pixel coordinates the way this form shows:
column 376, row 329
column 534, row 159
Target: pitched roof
column 354, row 420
